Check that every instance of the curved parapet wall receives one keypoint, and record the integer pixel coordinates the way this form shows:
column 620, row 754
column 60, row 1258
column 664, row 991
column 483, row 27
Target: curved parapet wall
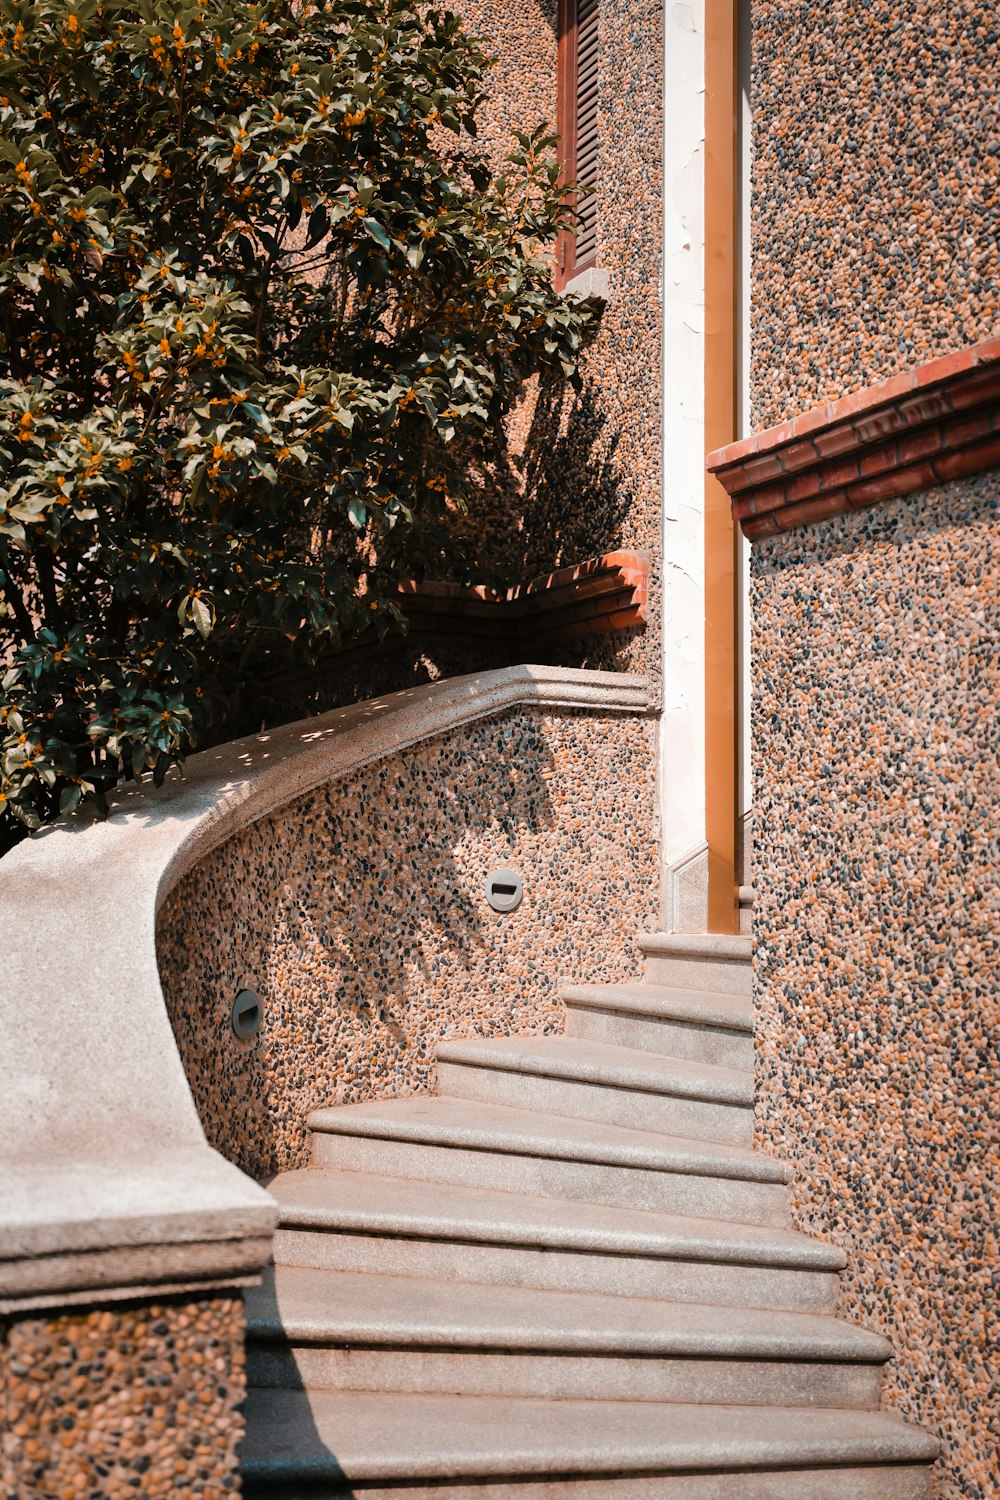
column 358, row 913
column 109, row 1186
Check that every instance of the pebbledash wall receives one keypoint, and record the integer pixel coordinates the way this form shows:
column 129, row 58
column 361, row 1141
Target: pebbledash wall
column 133, row 1399
column 875, row 649
column 876, row 800
column 876, row 192
column 359, row 914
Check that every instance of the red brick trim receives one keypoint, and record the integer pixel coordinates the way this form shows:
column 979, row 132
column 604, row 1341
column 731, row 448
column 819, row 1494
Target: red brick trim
column 940, row 421
column 605, row 594
column 521, row 624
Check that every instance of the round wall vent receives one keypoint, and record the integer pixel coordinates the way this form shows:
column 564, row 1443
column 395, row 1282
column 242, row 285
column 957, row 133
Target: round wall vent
column 504, row 890
column 248, row 1010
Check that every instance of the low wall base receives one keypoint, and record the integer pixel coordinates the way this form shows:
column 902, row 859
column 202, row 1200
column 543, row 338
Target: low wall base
column 135, row 1400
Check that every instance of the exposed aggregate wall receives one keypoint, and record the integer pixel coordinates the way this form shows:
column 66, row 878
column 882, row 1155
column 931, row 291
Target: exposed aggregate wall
column 359, row 914
column 876, row 192
column 877, row 769
column 114, row 1403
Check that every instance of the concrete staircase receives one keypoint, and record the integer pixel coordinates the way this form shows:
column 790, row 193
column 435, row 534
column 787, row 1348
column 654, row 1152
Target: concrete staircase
column 569, row 1275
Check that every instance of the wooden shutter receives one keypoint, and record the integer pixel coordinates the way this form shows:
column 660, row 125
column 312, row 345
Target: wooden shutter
column 579, row 57
column 585, row 165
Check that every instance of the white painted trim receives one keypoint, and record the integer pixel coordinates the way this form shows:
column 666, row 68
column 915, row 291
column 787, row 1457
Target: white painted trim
column 109, row 1188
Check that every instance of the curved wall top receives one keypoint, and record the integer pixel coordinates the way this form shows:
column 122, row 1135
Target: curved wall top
column 108, row 1186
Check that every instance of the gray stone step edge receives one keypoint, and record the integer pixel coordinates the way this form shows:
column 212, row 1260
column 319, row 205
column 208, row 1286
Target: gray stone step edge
column 660, row 1002
column 465, row 1436
column 675, row 1154
column 678, row 1239
column 719, row 946
column 402, row 1322
column 624, row 1069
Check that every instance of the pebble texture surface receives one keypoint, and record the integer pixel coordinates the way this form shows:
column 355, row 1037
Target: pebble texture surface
column 876, row 195
column 877, row 676
column 359, row 914
column 128, row 1402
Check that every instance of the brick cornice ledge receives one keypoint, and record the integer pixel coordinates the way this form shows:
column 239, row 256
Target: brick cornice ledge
column 937, row 422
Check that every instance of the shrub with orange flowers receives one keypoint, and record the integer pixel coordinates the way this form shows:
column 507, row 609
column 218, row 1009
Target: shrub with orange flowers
column 264, row 310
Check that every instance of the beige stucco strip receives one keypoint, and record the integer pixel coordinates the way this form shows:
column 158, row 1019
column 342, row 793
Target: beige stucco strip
column 107, row 1181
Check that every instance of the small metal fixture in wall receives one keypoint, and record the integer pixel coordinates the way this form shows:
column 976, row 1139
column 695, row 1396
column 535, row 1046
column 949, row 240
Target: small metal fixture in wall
column 247, row 1013
column 504, row 890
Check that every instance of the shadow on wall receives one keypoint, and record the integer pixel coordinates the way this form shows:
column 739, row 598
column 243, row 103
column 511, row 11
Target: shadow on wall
column 559, row 495
column 351, row 936
column 359, row 914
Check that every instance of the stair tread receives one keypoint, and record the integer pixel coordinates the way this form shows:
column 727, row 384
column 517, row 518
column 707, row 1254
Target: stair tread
column 358, row 1436
column 661, row 1001
column 306, row 1305
column 433, row 1119
column 581, row 1061
column 730, row 946
column 327, row 1199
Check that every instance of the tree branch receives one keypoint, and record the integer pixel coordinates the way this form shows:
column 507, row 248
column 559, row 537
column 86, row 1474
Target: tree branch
column 18, row 607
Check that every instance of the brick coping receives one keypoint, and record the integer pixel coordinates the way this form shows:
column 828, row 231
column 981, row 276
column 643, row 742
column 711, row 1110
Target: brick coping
column 937, row 422
column 607, row 593
column 604, row 595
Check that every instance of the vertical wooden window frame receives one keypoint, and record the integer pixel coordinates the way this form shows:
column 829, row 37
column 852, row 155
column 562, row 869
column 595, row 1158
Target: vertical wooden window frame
column 567, row 264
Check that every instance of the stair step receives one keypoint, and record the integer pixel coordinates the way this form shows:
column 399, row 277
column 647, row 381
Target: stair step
column 432, row 1442
column 589, row 1080
column 341, row 1330
column 702, row 1025
column 513, row 1150
column 351, row 1221
column 699, row 961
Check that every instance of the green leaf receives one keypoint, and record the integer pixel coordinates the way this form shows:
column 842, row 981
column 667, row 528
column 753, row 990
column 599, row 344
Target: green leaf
column 234, row 401
column 70, row 798
column 377, row 233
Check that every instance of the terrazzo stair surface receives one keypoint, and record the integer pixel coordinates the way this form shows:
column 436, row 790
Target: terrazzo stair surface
column 513, row 1150
column 684, row 1023
column 350, row 1221
column 307, row 1328
column 699, row 961
column 567, row 1274
column 616, row 1085
column 354, row 1438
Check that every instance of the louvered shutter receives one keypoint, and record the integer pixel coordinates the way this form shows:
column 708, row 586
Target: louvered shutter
column 585, row 165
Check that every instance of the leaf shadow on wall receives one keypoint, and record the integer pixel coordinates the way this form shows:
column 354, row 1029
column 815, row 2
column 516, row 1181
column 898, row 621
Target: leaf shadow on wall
column 358, row 913
column 558, row 496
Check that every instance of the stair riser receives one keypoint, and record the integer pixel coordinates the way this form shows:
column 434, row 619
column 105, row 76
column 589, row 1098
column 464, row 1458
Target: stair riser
column 883, row 1483
column 561, row 1270
column 696, row 1119
column 725, row 976
column 727, row 1049
column 584, row 1182
column 588, row 1377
